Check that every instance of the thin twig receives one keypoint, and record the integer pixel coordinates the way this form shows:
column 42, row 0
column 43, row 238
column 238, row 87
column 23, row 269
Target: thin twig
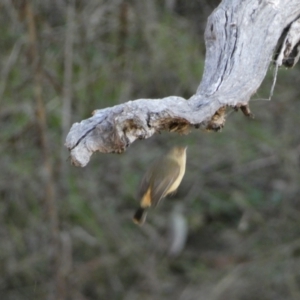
column 50, row 203
column 67, row 86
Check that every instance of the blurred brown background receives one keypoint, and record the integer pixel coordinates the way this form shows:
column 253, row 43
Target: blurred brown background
column 66, row 232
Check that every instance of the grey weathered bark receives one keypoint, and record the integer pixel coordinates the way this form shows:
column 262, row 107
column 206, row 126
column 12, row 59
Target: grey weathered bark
column 241, row 38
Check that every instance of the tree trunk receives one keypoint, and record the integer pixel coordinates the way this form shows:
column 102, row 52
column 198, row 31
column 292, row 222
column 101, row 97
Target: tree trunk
column 241, row 38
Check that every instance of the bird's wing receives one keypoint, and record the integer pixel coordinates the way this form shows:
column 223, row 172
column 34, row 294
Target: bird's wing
column 163, row 180
column 144, row 185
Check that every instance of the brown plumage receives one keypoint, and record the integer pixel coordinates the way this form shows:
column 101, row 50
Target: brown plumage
column 162, row 178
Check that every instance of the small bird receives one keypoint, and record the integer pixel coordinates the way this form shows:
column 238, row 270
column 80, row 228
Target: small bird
column 162, row 178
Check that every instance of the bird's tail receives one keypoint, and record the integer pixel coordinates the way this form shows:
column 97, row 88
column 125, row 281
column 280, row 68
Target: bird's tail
column 140, row 216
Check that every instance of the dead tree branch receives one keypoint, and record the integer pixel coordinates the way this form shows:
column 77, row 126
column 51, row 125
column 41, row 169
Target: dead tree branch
column 241, row 38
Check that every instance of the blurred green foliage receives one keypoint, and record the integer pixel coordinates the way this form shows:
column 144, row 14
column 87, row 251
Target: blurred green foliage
column 240, row 192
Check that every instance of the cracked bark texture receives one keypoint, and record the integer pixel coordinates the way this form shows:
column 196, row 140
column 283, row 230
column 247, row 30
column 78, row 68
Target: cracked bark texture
column 241, row 39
